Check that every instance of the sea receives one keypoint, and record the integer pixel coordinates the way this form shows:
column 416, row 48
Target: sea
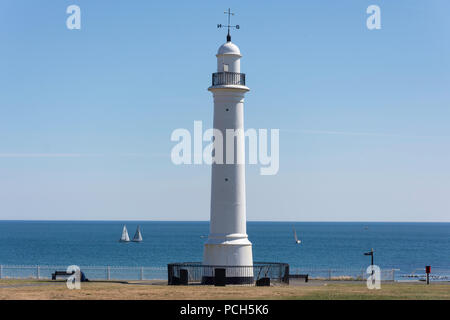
column 340, row 245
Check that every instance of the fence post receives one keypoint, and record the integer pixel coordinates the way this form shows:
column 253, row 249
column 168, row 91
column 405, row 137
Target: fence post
column 393, row 275
column 142, row 273
column 169, row 274
column 38, row 272
column 108, row 273
column 286, row 274
column 329, row 274
column 1, row 271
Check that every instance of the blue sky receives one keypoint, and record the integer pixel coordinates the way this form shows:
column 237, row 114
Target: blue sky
column 86, row 115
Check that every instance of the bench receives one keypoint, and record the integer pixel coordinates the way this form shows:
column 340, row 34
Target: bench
column 61, row 273
column 65, row 274
column 299, row 276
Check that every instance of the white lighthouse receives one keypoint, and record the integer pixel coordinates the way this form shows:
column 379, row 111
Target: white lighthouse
column 228, row 244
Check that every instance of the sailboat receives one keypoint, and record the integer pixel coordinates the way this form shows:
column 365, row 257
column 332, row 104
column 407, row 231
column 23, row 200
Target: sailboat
column 125, row 237
column 137, row 236
column 295, row 237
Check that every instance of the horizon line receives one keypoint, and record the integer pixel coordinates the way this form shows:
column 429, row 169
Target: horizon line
column 280, row 221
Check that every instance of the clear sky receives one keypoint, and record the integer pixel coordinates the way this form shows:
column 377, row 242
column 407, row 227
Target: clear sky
column 86, row 115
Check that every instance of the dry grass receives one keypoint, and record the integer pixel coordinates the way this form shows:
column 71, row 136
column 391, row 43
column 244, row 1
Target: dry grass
column 29, row 289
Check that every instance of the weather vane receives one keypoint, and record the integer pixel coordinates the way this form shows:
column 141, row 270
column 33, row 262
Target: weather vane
column 229, row 13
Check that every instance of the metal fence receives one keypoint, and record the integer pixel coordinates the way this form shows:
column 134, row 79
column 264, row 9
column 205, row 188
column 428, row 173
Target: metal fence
column 437, row 274
column 387, row 274
column 344, row 274
column 260, row 270
column 91, row 272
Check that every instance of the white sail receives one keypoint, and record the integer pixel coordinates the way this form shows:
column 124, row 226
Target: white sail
column 125, row 237
column 137, row 236
column 295, row 236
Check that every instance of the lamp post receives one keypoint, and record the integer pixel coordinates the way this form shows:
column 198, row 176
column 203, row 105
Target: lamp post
column 370, row 253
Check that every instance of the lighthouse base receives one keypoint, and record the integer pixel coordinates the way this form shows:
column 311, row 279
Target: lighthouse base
column 232, row 253
column 186, row 273
column 228, row 280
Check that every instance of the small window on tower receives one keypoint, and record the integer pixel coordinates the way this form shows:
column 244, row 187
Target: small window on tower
column 225, row 68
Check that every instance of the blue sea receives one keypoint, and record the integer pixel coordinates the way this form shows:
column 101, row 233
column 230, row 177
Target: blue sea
column 405, row 246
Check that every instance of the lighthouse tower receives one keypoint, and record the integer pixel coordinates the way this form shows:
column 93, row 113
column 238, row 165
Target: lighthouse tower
column 228, row 245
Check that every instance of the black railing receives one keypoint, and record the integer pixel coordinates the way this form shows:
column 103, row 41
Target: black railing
column 197, row 273
column 224, row 78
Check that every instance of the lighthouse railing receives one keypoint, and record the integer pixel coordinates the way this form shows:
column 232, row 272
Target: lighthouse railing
column 228, row 78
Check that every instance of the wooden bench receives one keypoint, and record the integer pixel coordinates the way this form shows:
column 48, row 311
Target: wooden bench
column 299, row 276
column 61, row 273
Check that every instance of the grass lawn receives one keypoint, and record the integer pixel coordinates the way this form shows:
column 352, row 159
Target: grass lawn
column 35, row 289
